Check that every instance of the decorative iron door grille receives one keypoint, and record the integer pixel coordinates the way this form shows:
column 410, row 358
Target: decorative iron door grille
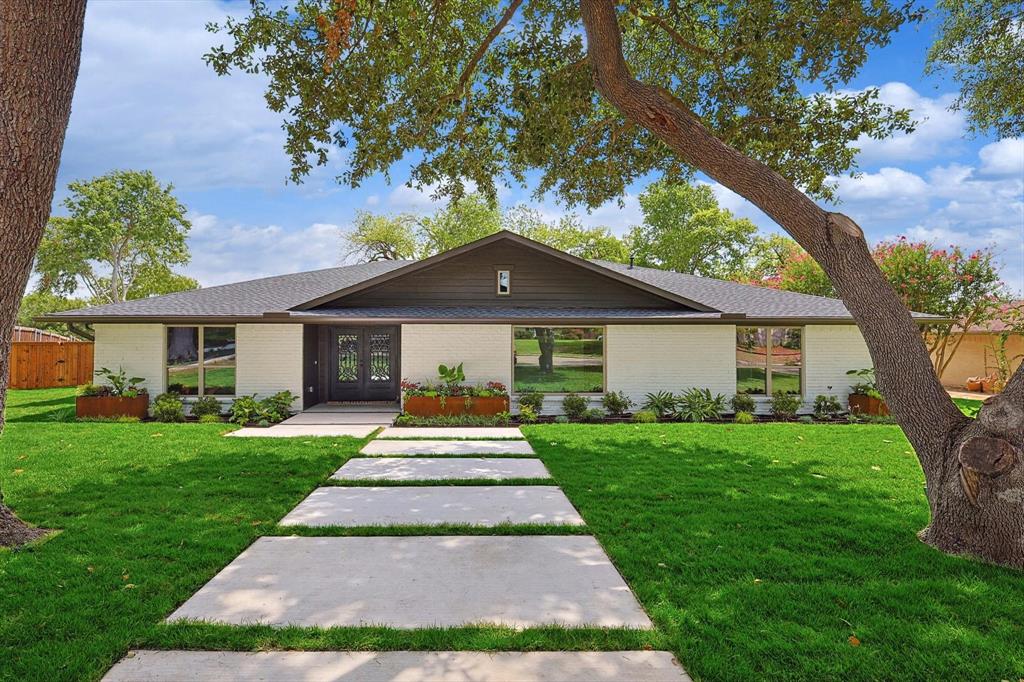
column 364, row 363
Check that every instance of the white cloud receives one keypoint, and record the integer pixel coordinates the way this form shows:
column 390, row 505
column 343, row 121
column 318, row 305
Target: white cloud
column 1005, row 157
column 938, row 132
column 224, row 252
column 146, row 99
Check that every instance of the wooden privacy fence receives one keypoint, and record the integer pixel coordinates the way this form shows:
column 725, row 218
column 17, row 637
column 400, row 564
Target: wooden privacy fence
column 48, row 364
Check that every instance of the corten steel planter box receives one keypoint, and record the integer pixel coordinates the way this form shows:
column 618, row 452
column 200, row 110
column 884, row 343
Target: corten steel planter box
column 865, row 404
column 112, row 406
column 452, row 406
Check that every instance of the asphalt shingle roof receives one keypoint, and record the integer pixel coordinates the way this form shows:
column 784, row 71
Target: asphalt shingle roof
column 281, row 293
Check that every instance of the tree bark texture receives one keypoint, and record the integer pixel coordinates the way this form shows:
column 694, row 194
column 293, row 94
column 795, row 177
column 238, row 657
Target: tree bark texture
column 986, row 522
column 40, row 49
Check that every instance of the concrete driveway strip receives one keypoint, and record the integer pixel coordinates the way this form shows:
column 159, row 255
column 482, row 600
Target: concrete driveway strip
column 447, row 447
column 432, row 505
column 419, row 582
column 397, row 666
column 438, row 468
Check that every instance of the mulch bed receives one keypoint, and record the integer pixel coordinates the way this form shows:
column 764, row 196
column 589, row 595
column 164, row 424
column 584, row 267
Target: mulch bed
column 14, row 532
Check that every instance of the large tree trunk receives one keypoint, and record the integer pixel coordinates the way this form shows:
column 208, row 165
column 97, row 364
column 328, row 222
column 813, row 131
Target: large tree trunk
column 546, row 343
column 40, row 47
column 973, row 470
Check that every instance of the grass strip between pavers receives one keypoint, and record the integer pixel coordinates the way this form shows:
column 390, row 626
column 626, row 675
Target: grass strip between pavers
column 431, row 482
column 213, row 636
column 463, row 455
column 404, row 530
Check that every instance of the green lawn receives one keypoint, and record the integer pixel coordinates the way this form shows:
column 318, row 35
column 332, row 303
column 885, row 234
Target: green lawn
column 147, row 513
column 757, row 550
column 760, row 550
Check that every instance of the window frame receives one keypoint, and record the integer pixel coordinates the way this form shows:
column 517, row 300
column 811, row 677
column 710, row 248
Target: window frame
column 201, row 351
column 497, row 282
column 604, row 357
column 768, row 359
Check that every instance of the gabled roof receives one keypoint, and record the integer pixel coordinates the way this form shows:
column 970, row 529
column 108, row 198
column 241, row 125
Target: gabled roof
column 504, row 235
column 301, row 296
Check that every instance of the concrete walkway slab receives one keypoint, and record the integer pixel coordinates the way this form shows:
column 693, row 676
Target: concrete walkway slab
column 439, row 468
column 397, row 666
column 419, row 582
column 452, row 432
column 341, row 418
column 431, row 505
column 291, row 431
column 447, row 447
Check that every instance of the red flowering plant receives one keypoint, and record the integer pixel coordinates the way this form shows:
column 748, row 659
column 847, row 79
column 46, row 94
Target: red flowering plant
column 962, row 287
column 431, row 390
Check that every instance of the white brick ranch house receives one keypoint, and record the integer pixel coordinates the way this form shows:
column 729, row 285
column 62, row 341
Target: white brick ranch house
column 351, row 333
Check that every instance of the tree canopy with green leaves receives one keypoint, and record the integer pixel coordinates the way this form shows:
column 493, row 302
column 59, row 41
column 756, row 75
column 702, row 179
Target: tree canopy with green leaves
column 684, row 229
column 587, row 96
column 981, row 42
column 468, row 218
column 123, row 232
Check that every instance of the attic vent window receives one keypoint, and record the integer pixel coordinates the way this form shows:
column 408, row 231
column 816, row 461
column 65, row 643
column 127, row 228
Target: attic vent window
column 504, row 282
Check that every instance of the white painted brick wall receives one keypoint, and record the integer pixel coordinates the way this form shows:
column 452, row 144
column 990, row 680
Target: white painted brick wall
column 269, row 359
column 829, row 351
column 643, row 359
column 484, row 349
column 138, row 348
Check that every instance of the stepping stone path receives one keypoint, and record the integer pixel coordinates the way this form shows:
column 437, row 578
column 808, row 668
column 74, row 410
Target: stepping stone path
column 419, row 581
column 447, row 447
column 408, row 505
column 462, row 432
column 295, row 431
column 439, row 468
column 398, row 666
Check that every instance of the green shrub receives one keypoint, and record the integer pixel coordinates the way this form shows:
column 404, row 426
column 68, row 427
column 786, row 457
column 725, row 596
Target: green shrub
column 209, row 419
column 743, row 402
column 574, row 406
column 616, row 403
column 645, row 417
column 785, row 405
column 592, row 415
column 561, row 419
column 120, row 384
column 534, row 399
column 279, row 405
column 698, row 405
column 168, row 407
column 527, row 414
column 205, row 405
column 247, row 410
column 805, row 419
column 661, row 403
column 455, row 420
column 826, row 406
column 91, row 390
column 743, row 417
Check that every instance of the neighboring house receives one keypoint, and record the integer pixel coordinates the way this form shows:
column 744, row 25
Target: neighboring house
column 510, row 309
column 31, row 334
column 975, row 356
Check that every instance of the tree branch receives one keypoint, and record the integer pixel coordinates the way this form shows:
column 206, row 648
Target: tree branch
column 906, row 377
column 481, row 50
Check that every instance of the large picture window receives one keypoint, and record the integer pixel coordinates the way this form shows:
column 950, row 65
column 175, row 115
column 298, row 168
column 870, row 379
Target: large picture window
column 769, row 359
column 558, row 359
column 201, row 360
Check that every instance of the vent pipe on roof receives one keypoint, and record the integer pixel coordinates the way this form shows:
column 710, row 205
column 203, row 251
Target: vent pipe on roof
column 630, row 261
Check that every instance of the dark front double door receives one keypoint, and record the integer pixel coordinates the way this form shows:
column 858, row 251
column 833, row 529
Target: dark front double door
column 363, row 363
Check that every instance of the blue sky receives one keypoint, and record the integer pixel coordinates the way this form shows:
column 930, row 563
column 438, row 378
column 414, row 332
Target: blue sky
column 145, row 100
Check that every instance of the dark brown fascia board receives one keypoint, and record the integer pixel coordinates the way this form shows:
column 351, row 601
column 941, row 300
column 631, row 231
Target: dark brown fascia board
column 490, row 239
